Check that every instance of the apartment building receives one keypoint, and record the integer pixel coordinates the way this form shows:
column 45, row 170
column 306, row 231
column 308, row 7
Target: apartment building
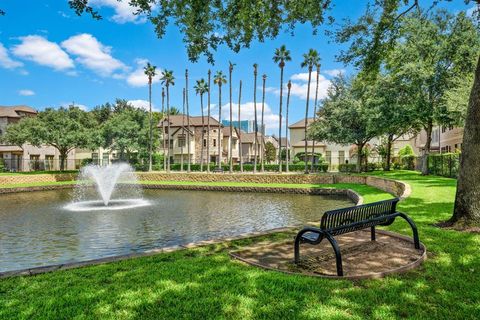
column 444, row 139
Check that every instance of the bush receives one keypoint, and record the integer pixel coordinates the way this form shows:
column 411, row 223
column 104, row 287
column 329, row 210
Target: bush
column 406, row 151
column 445, row 164
column 408, row 162
column 347, row 167
column 299, row 167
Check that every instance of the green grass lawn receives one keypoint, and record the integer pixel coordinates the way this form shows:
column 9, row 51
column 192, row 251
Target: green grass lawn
column 205, row 283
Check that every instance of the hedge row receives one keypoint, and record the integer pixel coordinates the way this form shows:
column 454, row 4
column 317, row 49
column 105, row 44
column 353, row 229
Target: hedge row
column 247, row 167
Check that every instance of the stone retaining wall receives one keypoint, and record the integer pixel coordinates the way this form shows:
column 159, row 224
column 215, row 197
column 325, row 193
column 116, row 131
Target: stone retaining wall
column 396, row 188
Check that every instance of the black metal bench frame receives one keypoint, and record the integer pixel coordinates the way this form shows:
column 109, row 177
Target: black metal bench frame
column 341, row 221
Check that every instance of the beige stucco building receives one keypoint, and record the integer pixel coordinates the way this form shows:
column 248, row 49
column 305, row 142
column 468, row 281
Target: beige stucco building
column 27, row 157
column 444, row 139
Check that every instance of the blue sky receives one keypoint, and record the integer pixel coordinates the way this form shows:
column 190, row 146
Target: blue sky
column 50, row 57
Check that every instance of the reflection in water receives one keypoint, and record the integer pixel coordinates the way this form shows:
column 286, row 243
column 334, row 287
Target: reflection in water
column 36, row 230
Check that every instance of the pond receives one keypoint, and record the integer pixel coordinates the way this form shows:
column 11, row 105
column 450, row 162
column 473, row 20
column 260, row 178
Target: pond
column 36, row 230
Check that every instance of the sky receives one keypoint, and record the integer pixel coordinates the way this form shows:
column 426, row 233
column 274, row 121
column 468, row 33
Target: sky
column 50, row 57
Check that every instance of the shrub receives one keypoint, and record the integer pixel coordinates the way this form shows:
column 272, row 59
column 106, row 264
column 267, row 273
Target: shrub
column 408, row 162
column 347, row 167
column 406, row 151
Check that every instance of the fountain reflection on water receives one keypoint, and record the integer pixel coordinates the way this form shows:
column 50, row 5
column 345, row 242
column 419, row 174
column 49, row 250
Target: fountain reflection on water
column 115, row 188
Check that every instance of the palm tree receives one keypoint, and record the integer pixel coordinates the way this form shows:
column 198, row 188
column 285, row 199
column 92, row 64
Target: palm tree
column 219, row 80
column 183, row 128
column 167, row 80
column 200, row 88
column 188, row 123
column 315, row 111
column 255, row 142
column 163, row 131
column 310, row 59
column 208, row 120
column 262, row 123
column 240, row 155
column 230, row 70
column 287, row 153
column 281, row 56
column 150, row 71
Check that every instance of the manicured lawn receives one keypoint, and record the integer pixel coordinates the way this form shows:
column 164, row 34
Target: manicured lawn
column 205, row 283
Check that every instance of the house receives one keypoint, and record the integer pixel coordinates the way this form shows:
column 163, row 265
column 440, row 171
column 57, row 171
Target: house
column 27, row 157
column 334, row 154
column 176, row 139
column 444, row 139
column 249, row 146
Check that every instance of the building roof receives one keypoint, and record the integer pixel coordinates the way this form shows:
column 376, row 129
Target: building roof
column 195, row 121
column 301, row 123
column 250, row 137
column 12, row 111
column 226, row 131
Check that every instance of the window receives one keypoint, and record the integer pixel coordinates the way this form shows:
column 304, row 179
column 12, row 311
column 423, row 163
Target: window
column 341, row 157
column 214, row 142
column 95, row 158
column 181, row 140
column 105, row 159
column 49, row 162
column 204, row 142
column 328, row 156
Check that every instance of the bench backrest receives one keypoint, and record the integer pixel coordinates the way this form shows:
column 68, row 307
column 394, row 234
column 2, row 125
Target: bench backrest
column 359, row 217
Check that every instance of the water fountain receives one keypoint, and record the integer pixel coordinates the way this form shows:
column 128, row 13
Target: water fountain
column 111, row 187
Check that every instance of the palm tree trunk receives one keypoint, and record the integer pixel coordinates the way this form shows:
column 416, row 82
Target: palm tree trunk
column 219, row 142
column 208, row 121
column 240, row 154
column 262, row 151
column 255, row 139
column 150, row 133
column 280, row 122
column 287, row 151
column 163, row 131
column 467, row 200
column 306, row 117
column 168, row 128
column 230, row 161
column 183, row 129
column 203, row 134
column 314, row 115
column 189, row 157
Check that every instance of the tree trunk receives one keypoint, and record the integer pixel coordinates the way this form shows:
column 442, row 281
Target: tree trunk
column 219, row 142
column 163, row 132
column 255, row 139
column 203, row 134
column 467, row 201
column 230, row 146
column 240, row 153
column 359, row 157
column 306, row 117
column 168, row 129
column 150, row 129
column 262, row 123
column 63, row 156
column 183, row 129
column 287, row 150
column 189, row 156
column 389, row 152
column 426, row 150
column 280, row 122
column 208, row 121
column 314, row 115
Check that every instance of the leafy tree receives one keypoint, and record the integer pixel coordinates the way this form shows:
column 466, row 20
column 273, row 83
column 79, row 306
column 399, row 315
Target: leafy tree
column 345, row 117
column 64, row 129
column 150, row 72
column 406, row 151
column 208, row 24
column 281, row 56
column 270, row 152
column 310, row 59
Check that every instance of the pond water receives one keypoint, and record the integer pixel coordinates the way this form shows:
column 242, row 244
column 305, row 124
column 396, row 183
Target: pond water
column 36, row 230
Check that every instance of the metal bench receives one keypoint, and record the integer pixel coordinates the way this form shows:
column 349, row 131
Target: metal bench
column 337, row 222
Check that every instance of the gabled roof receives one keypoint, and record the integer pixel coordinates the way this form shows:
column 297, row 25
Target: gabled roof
column 250, row 137
column 12, row 111
column 301, row 124
column 226, row 131
column 195, row 121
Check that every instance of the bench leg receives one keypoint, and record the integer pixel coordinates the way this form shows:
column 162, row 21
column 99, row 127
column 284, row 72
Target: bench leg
column 296, row 248
column 416, row 240
column 372, row 235
column 338, row 255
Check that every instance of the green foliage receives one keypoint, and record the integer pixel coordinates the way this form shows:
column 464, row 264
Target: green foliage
column 300, row 167
column 208, row 24
column 270, row 152
column 407, row 150
column 408, row 162
column 347, row 167
column 445, row 164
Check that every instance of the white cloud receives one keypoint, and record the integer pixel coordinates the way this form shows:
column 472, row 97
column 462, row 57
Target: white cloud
column 300, row 86
column 123, row 11
column 5, row 60
column 473, row 11
column 138, row 78
column 78, row 105
column 40, row 50
column 142, row 104
column 334, row 72
column 248, row 113
column 26, row 92
column 93, row 54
